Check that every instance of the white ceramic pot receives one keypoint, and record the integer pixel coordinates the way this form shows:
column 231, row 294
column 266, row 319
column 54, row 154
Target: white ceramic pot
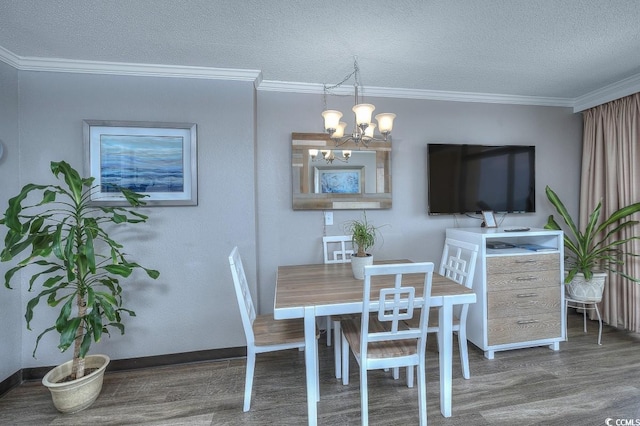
column 76, row 395
column 587, row 291
column 358, row 264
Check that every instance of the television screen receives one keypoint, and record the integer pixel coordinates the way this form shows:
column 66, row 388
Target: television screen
column 473, row 178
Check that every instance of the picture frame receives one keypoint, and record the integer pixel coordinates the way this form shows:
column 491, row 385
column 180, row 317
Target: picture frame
column 155, row 159
column 338, row 180
column 489, row 219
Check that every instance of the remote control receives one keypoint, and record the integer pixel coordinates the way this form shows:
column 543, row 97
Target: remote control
column 516, row 229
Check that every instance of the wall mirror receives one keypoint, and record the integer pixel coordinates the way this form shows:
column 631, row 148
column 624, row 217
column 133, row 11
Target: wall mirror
column 326, row 177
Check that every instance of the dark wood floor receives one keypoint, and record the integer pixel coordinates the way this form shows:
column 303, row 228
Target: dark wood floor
column 582, row 384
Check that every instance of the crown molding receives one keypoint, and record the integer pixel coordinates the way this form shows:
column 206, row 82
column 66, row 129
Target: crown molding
column 9, row 58
column 617, row 90
column 597, row 97
column 384, row 92
column 25, row 63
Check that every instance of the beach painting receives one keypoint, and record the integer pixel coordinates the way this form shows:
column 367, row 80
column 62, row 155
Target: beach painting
column 142, row 163
column 159, row 162
column 338, row 180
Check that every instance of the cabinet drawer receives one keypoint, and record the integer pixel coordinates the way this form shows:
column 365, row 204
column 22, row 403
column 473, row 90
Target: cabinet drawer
column 525, row 263
column 524, row 279
column 526, row 301
column 524, row 328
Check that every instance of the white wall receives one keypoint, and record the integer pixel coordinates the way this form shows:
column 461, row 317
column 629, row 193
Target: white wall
column 294, row 237
column 191, row 306
column 244, row 181
column 11, row 311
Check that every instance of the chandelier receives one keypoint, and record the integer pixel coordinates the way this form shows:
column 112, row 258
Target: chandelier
column 329, row 156
column 364, row 129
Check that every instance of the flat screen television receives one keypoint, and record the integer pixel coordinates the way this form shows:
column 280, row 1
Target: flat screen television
column 475, row 178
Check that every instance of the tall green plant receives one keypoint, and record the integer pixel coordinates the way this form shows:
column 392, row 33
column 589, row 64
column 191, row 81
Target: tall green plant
column 64, row 239
column 599, row 247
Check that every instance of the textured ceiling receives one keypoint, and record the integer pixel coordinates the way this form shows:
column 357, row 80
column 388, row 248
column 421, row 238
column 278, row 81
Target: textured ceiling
column 540, row 48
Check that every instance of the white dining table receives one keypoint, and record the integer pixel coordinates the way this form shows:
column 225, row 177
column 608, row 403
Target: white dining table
column 309, row 291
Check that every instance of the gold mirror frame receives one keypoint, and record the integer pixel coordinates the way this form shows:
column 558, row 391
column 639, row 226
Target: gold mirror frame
column 306, row 195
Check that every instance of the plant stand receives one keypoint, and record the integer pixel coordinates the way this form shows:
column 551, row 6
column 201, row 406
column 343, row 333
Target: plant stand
column 586, row 294
column 584, row 305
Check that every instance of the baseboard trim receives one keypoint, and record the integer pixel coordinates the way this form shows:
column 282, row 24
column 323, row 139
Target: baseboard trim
column 10, row 382
column 38, row 373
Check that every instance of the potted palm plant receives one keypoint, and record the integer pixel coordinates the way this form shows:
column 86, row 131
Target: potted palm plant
column 363, row 236
column 77, row 269
column 599, row 249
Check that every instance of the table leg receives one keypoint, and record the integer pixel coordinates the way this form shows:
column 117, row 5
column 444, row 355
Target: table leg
column 311, row 362
column 445, row 342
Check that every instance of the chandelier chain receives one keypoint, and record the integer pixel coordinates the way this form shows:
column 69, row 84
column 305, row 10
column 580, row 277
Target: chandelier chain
column 355, row 74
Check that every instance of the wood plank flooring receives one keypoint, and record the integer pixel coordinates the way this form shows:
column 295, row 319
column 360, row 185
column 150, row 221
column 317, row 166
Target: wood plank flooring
column 582, row 384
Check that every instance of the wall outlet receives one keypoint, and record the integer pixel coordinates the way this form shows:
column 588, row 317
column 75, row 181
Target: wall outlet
column 328, row 218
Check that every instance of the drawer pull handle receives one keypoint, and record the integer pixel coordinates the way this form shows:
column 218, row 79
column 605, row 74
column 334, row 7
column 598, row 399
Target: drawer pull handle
column 527, row 321
column 526, row 261
column 527, row 295
column 529, row 278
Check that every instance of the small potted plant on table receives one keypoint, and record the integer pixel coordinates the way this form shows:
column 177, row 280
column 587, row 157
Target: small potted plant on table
column 363, row 235
column 78, row 267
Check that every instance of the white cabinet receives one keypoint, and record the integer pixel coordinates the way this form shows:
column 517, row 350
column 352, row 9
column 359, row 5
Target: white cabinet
column 520, row 294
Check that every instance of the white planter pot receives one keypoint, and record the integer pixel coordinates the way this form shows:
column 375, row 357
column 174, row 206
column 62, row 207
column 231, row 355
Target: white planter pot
column 358, row 264
column 587, row 291
column 76, row 395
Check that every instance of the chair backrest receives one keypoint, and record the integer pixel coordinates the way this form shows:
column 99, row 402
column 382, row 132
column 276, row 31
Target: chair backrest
column 337, row 248
column 243, row 294
column 458, row 261
column 397, row 302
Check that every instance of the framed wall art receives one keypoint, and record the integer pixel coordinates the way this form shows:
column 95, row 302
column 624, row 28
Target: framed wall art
column 338, row 180
column 155, row 159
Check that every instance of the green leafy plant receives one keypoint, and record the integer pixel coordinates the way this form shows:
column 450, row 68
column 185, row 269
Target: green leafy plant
column 363, row 234
column 596, row 249
column 75, row 259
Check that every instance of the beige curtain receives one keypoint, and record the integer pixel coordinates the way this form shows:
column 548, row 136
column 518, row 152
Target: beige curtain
column 611, row 173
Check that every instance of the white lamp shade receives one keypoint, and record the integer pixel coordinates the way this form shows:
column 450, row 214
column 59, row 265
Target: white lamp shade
column 363, row 113
column 339, row 130
column 385, row 122
column 331, row 118
column 313, row 152
column 368, row 132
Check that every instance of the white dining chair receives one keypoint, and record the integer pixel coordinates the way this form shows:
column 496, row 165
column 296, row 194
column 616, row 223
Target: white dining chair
column 337, row 249
column 381, row 339
column 263, row 333
column 458, row 263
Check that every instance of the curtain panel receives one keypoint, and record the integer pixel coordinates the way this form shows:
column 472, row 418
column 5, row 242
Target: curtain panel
column 611, row 173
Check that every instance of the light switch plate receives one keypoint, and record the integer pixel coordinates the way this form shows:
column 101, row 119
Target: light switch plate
column 328, row 218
